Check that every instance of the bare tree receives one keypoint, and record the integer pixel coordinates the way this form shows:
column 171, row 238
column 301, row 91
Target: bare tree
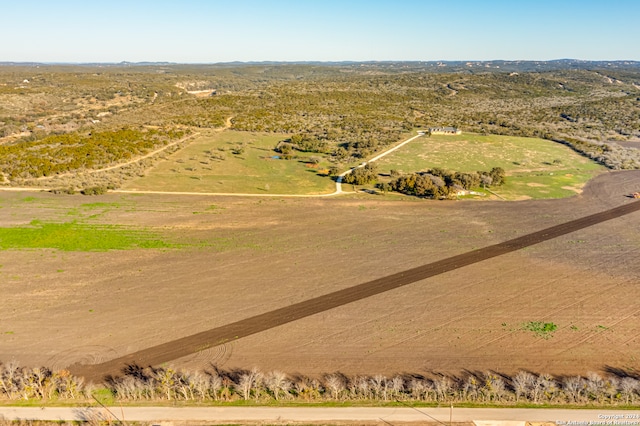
column 214, row 384
column 377, row 383
column 165, row 379
column 335, row 384
column 611, row 386
column 573, row 388
column 470, row 389
column 417, row 389
column 248, row 381
column 629, row 388
column 547, row 386
column 522, row 384
column 494, row 387
column 363, row 386
column 442, row 387
column 277, row 384
column 9, row 379
column 595, row 386
column 397, row 386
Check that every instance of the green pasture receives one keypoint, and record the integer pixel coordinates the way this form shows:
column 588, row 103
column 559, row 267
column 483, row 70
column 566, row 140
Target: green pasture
column 73, row 236
column 86, row 227
column 536, row 168
column 235, row 162
column 82, row 237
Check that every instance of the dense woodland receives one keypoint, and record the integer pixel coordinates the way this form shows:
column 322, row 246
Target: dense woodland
column 343, row 112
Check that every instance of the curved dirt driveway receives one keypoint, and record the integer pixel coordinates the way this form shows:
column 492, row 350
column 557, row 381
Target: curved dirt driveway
column 227, row 125
column 337, row 191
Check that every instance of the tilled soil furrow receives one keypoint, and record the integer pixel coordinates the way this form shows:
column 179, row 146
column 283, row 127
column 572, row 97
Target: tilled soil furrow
column 190, row 344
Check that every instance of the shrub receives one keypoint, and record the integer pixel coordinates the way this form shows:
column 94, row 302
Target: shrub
column 69, row 191
column 94, row 190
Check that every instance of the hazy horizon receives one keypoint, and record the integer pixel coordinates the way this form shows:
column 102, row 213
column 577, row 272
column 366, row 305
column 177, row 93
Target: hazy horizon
column 321, row 62
column 210, row 32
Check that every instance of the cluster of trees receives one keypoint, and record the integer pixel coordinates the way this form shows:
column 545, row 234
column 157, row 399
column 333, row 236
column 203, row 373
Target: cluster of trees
column 57, row 154
column 336, row 119
column 309, row 143
column 69, row 97
column 301, row 143
column 20, row 383
column 439, row 183
column 362, row 175
column 139, row 384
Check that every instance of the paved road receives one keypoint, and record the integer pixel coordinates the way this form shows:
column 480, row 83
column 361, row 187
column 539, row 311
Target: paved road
column 188, row 345
column 482, row 416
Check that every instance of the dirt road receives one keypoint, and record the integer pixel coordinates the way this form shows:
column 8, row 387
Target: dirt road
column 280, row 415
column 197, row 342
column 337, row 191
column 376, row 158
column 119, row 165
column 227, row 125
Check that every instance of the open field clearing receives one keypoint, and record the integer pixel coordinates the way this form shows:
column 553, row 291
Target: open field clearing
column 536, row 168
column 244, row 162
column 235, row 162
column 245, row 257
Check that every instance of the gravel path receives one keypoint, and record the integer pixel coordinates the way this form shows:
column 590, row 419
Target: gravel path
column 281, row 415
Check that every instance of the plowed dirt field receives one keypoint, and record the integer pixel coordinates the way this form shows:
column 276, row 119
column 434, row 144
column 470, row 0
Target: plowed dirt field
column 255, row 256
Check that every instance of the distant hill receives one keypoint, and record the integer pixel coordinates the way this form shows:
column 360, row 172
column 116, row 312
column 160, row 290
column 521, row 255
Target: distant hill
column 436, row 66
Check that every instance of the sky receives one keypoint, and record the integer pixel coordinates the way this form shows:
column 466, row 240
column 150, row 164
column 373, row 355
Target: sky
column 211, row 31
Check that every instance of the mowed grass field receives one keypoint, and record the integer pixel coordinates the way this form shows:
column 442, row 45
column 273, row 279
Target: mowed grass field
column 536, row 168
column 235, row 162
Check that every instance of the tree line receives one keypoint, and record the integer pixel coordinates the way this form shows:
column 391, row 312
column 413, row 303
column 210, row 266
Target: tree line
column 611, row 155
column 616, row 388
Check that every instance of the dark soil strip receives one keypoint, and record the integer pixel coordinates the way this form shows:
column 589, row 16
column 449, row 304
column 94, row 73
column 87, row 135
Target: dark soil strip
column 191, row 344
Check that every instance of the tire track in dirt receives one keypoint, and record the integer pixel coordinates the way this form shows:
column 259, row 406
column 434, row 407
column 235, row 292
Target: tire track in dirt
column 230, row 332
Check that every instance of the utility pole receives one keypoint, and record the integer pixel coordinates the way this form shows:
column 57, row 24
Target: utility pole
column 450, row 414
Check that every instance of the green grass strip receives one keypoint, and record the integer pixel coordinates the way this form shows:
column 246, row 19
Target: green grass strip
column 73, row 236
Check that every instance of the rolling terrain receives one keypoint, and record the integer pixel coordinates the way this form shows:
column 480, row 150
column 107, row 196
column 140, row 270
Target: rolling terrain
column 168, row 271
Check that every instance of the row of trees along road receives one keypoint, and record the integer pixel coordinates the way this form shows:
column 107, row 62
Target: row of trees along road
column 618, row 388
